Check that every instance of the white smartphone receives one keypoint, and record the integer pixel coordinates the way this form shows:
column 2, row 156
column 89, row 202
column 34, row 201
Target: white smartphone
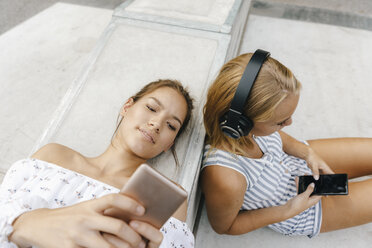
column 159, row 195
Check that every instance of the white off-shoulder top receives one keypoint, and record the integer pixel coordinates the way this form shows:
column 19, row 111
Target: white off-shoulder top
column 31, row 184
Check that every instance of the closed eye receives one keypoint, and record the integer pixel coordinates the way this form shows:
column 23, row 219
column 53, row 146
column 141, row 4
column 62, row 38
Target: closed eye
column 150, row 108
column 171, row 127
column 283, row 123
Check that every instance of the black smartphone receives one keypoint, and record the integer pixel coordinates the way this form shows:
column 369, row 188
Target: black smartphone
column 329, row 184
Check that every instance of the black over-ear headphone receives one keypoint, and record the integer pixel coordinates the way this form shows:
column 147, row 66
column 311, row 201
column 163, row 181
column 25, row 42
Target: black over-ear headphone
column 234, row 123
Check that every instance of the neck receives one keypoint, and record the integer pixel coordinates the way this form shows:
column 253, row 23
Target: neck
column 117, row 161
column 230, row 148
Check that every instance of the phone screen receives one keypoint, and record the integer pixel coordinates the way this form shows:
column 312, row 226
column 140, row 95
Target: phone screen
column 330, row 184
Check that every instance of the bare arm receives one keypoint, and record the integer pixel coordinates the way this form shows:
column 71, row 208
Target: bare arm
column 181, row 212
column 298, row 149
column 294, row 147
column 79, row 224
column 82, row 224
column 224, row 190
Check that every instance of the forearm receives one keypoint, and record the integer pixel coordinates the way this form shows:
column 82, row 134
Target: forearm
column 25, row 226
column 17, row 236
column 247, row 221
column 294, row 147
column 181, row 212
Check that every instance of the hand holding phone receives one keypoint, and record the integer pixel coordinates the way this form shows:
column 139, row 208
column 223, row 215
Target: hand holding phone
column 160, row 196
column 327, row 184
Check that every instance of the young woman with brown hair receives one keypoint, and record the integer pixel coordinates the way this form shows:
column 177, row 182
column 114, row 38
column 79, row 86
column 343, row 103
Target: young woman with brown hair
column 59, row 197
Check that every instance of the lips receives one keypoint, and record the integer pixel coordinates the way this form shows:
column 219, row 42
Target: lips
column 147, row 135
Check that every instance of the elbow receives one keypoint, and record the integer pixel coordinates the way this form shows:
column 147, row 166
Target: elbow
column 222, row 224
column 221, row 229
column 233, row 228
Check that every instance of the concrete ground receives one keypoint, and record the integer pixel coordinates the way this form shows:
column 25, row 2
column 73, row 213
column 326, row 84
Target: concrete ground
column 354, row 14
column 13, row 13
column 325, row 43
column 339, row 12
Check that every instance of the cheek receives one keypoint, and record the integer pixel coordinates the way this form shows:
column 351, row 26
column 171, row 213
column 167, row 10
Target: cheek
column 136, row 117
column 168, row 138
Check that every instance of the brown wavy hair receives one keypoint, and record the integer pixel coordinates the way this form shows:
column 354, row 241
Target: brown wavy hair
column 273, row 83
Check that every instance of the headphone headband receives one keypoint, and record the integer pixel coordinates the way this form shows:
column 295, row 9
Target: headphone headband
column 234, row 123
column 248, row 79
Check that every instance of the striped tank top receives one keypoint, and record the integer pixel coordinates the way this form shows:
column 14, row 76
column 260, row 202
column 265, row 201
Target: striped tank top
column 270, row 182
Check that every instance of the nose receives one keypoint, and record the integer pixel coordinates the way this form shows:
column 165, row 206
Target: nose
column 288, row 122
column 154, row 125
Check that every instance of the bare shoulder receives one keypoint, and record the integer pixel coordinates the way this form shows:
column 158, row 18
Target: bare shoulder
column 221, row 179
column 57, row 154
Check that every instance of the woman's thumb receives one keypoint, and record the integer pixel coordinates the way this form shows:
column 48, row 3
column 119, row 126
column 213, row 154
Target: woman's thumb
column 310, row 189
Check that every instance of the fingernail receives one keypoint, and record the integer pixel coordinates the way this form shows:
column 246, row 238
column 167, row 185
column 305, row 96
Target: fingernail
column 140, row 210
column 316, row 177
column 134, row 224
column 142, row 244
column 312, row 185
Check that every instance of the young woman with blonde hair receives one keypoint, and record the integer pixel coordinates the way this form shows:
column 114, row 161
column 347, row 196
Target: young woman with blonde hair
column 250, row 182
column 61, row 198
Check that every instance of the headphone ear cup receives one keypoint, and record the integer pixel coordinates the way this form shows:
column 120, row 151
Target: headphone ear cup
column 241, row 128
column 223, row 119
column 246, row 125
column 229, row 128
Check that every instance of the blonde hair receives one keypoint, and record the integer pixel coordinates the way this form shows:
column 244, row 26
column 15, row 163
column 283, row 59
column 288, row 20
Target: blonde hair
column 273, row 83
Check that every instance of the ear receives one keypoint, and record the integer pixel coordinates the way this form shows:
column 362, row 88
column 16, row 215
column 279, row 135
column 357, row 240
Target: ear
column 126, row 105
column 169, row 146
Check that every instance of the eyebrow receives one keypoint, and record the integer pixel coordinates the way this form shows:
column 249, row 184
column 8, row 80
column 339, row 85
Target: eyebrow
column 161, row 105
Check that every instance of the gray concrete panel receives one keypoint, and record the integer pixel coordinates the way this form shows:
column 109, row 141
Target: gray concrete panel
column 13, row 13
column 210, row 15
column 39, row 60
column 131, row 57
column 130, row 54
